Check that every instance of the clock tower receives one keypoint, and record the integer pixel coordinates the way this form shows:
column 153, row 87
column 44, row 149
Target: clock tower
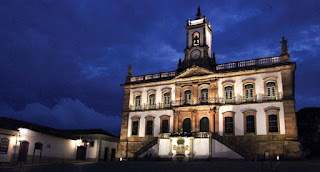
column 199, row 44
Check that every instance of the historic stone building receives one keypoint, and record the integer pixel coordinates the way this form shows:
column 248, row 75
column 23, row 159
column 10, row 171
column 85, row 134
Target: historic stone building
column 243, row 109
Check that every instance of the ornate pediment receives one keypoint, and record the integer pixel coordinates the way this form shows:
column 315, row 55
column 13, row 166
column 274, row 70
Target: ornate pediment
column 194, row 71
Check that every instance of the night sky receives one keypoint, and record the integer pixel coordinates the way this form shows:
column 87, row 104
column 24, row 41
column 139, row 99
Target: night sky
column 62, row 62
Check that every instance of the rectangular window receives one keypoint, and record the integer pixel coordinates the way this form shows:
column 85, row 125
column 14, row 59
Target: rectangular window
column 250, row 124
column 228, row 125
column 165, row 126
column 4, row 145
column 273, row 123
column 135, row 126
column 149, row 128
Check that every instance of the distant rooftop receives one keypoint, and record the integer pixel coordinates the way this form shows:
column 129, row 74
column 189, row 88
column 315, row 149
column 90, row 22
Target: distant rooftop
column 13, row 124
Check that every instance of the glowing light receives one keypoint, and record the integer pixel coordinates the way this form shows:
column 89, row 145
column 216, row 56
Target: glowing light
column 278, row 157
column 120, row 158
column 23, row 131
column 78, row 142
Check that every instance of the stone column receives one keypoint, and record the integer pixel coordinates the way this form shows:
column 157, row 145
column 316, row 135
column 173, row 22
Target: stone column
column 193, row 120
column 211, row 120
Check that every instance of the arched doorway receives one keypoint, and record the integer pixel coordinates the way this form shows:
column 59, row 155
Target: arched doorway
column 204, row 124
column 187, row 125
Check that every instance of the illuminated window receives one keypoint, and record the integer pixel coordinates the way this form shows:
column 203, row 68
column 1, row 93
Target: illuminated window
column 228, row 125
column 135, row 127
column 137, row 102
column 249, row 92
column 4, row 146
column 273, row 123
column 204, row 95
column 149, row 127
column 187, row 97
column 151, row 101
column 196, row 38
column 166, row 101
column 250, row 124
column 271, row 90
column 228, row 94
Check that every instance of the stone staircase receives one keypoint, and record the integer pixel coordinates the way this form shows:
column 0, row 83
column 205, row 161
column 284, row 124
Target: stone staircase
column 146, row 147
column 233, row 146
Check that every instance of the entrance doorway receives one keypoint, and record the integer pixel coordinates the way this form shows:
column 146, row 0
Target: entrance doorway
column 81, row 153
column 113, row 154
column 106, row 154
column 187, row 125
column 23, row 151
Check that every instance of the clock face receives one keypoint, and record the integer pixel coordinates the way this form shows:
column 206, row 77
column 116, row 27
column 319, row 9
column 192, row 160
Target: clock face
column 195, row 54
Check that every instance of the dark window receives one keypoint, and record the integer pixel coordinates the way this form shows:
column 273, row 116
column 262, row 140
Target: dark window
column 187, row 125
column 38, row 146
column 228, row 125
column 250, row 124
column 4, row 145
column 204, row 124
column 135, row 126
column 165, row 126
column 149, row 127
column 273, row 123
column 91, row 143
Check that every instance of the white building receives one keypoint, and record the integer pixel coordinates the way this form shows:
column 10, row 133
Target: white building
column 31, row 143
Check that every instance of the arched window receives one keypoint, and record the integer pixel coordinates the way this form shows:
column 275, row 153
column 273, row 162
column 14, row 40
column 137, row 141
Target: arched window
column 249, row 92
column 204, row 95
column 250, row 124
column 204, row 124
column 228, row 93
column 137, row 102
column 151, row 101
column 187, row 97
column 271, row 90
column 166, row 101
column 165, row 126
column 4, row 145
column 196, row 38
column 187, row 125
column 273, row 123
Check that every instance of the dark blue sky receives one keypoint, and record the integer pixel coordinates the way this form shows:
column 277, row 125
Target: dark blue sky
column 62, row 62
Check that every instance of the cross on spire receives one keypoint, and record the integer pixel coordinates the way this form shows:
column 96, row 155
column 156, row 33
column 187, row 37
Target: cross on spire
column 198, row 16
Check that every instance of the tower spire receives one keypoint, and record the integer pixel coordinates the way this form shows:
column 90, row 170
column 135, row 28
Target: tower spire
column 199, row 16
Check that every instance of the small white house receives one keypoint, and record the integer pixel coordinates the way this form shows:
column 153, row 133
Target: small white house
column 31, row 143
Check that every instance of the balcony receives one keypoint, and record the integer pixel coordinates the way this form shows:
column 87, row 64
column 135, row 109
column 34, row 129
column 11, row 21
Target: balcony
column 249, row 63
column 144, row 107
column 184, row 134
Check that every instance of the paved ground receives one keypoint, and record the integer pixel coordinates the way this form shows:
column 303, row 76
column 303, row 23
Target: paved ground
column 214, row 166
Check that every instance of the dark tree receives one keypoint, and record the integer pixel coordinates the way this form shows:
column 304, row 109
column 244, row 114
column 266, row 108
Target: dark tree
column 308, row 120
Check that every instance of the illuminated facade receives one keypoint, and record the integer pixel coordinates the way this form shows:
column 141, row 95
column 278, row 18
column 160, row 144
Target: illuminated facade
column 30, row 143
column 240, row 110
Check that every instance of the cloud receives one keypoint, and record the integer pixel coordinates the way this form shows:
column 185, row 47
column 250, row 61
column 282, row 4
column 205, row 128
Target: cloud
column 66, row 114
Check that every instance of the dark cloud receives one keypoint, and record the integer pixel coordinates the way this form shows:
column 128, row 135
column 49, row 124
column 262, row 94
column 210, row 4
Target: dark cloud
column 79, row 50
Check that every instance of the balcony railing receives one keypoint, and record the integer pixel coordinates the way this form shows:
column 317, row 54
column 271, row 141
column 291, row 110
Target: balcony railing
column 153, row 76
column 185, row 134
column 248, row 63
column 213, row 100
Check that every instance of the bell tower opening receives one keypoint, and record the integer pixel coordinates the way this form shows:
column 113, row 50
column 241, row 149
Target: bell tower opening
column 199, row 44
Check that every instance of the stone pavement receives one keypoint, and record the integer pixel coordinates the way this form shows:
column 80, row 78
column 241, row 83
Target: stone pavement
column 166, row 166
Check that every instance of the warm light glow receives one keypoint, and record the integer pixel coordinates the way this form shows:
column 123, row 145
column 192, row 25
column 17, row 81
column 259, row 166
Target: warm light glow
column 278, row 157
column 120, row 158
column 22, row 131
column 78, row 142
